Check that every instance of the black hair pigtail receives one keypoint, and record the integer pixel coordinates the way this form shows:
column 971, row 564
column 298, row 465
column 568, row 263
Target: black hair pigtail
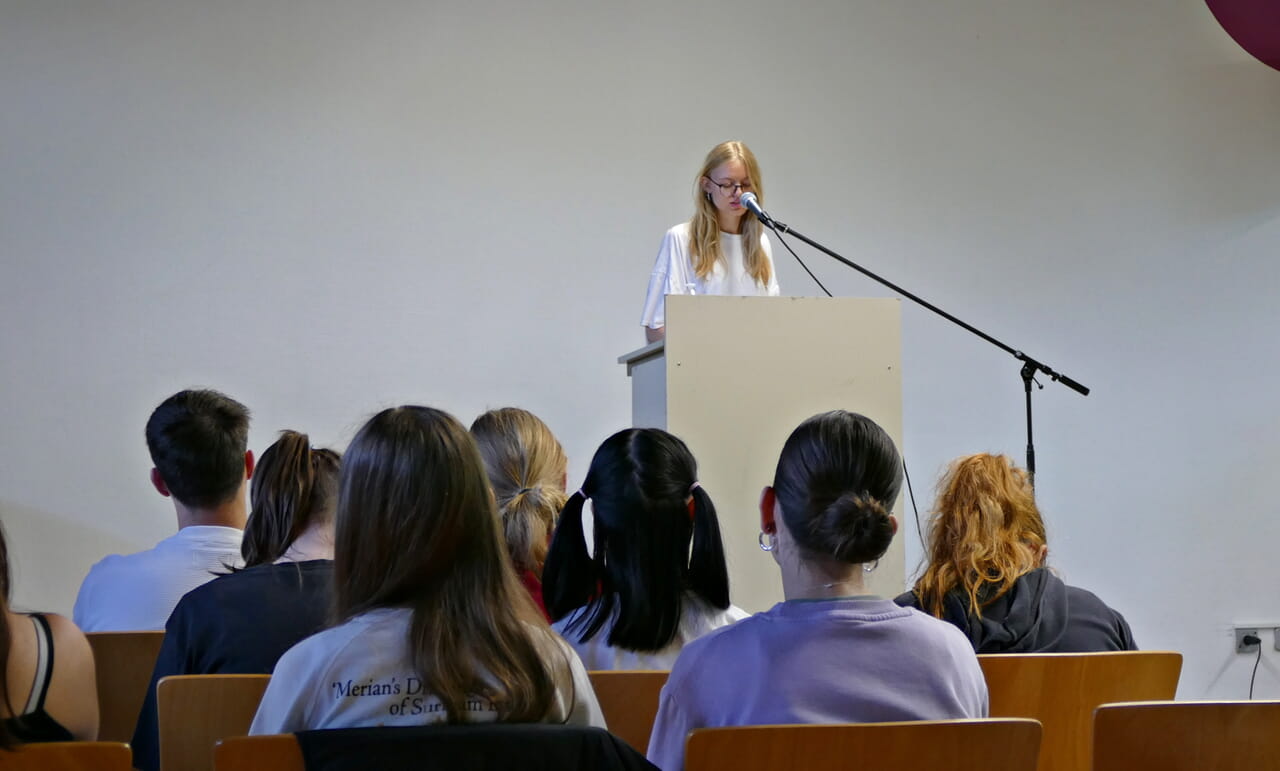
column 569, row 577
column 708, row 575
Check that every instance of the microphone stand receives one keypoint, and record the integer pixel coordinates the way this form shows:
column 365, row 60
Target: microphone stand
column 1030, row 366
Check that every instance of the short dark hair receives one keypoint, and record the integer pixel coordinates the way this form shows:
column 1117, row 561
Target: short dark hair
column 197, row 440
column 837, row 479
column 650, row 549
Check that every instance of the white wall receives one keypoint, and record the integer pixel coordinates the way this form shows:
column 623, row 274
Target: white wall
column 325, row 208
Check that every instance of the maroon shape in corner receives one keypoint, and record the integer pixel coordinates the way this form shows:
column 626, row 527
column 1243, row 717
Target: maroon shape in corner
column 1254, row 24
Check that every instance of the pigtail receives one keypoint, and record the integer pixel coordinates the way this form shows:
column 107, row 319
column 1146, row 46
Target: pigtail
column 570, row 577
column 708, row 575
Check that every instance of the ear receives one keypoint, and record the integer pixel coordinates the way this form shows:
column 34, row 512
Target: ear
column 768, row 500
column 157, row 482
column 248, row 464
column 1044, row 554
column 893, row 524
column 707, row 184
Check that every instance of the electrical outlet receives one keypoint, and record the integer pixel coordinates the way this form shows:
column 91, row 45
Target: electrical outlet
column 1241, row 645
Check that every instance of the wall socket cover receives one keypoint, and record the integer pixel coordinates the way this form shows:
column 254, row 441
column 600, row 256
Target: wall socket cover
column 1241, row 645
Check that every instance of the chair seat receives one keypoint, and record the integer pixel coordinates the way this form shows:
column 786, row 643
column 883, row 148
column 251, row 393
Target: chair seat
column 942, row 745
column 68, row 756
column 1187, row 736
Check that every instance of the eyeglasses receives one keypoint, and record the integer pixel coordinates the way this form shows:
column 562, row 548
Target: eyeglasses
column 729, row 188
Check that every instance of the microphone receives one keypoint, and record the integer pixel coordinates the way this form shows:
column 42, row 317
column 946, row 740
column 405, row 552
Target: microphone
column 750, row 201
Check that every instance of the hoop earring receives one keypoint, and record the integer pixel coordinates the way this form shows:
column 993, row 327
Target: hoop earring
column 708, row 195
column 760, row 540
column 868, row 568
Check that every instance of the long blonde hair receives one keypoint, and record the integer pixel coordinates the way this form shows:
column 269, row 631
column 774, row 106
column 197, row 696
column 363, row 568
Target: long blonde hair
column 704, row 228
column 526, row 466
column 984, row 533
column 417, row 528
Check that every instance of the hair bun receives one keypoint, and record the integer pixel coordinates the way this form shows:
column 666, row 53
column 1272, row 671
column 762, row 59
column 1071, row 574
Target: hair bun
column 853, row 528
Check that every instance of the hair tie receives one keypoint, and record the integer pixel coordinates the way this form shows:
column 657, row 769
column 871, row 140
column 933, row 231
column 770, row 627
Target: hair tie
column 522, row 491
column 694, row 486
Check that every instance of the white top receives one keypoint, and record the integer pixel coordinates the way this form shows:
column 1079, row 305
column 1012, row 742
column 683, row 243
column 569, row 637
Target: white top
column 359, row 674
column 697, row 619
column 673, row 273
column 137, row 592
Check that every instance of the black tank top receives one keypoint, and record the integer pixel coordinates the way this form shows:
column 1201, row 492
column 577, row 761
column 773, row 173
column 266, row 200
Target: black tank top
column 34, row 724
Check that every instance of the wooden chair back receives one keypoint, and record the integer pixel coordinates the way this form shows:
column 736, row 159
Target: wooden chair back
column 1062, row 690
column 197, row 710
column 629, row 700
column 69, row 756
column 942, row 745
column 276, row 752
column 122, row 663
column 1187, row 736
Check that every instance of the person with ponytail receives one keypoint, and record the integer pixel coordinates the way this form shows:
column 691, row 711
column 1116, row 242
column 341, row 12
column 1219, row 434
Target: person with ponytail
column 986, row 573
column 723, row 250
column 658, row 578
column 431, row 623
column 46, row 675
column 527, row 468
column 242, row 622
column 830, row 652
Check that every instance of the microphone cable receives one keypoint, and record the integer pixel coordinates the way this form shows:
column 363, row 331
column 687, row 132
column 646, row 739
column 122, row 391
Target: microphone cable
column 912, row 494
column 915, row 510
column 783, row 241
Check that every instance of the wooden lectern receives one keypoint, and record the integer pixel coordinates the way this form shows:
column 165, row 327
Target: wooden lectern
column 736, row 375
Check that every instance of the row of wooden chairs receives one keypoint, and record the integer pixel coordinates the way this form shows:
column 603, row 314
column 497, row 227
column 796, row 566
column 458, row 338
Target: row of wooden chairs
column 1167, row 735
column 1059, row 690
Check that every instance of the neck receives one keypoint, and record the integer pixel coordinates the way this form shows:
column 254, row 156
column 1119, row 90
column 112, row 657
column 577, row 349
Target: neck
column 729, row 223
column 230, row 514
column 821, row 578
column 315, row 543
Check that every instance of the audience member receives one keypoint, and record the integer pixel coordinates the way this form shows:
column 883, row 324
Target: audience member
column 197, row 441
column 47, row 698
column 243, row 622
column 986, row 572
column 657, row 579
column 527, row 468
column 829, row 653
column 432, row 623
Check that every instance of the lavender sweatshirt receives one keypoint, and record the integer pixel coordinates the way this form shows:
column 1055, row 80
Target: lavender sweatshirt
column 855, row 660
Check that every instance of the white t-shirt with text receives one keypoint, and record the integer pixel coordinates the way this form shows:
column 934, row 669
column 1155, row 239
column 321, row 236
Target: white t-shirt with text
column 359, row 674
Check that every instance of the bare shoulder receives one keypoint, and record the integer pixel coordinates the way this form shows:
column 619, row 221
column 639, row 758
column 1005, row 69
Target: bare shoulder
column 71, row 644
column 73, row 679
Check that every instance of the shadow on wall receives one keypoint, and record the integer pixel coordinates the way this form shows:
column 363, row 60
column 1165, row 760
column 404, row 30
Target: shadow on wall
column 41, row 583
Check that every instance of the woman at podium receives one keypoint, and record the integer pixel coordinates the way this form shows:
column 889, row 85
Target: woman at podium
column 723, row 249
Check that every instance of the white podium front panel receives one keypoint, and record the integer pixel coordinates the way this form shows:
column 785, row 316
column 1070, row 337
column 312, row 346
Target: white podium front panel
column 741, row 373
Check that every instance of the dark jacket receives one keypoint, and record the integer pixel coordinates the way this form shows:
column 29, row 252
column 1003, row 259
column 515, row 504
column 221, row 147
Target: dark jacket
column 1039, row 614
column 239, row 624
